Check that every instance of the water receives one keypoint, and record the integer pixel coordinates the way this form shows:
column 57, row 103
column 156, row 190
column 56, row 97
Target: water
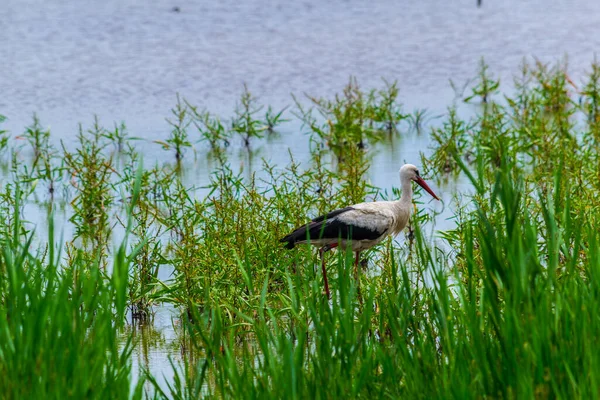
column 125, row 60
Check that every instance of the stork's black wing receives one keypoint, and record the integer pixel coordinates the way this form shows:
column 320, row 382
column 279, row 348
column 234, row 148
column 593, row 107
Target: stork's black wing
column 331, row 226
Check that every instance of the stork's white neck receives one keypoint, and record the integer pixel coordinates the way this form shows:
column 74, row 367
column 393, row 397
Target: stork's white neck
column 407, row 191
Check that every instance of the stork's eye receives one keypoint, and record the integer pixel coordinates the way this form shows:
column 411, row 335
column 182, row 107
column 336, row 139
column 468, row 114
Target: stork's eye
column 417, row 172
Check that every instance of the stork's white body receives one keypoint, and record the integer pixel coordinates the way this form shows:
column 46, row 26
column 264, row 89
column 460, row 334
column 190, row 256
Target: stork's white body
column 384, row 217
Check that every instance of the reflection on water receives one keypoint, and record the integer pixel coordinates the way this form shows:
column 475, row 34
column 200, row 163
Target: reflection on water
column 156, row 343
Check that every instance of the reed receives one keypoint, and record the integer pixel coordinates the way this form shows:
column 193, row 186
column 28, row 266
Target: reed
column 59, row 323
column 3, row 134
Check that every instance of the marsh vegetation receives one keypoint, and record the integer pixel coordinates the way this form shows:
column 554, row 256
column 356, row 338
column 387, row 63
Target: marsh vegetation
column 503, row 304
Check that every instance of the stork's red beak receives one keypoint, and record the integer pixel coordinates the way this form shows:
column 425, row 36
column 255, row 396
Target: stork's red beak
column 425, row 186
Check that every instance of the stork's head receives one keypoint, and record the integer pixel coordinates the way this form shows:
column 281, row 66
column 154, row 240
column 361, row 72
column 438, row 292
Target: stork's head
column 410, row 172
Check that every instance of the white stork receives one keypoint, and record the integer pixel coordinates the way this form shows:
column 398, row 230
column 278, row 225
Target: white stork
column 361, row 226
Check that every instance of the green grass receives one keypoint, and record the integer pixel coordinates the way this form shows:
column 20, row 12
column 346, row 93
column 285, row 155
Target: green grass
column 503, row 305
column 59, row 326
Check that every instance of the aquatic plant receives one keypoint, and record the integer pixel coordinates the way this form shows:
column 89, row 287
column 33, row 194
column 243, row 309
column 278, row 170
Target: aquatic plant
column 500, row 305
column 3, row 135
column 178, row 140
column 274, row 118
column 353, row 118
column 59, row 323
column 244, row 123
column 91, row 173
column 211, row 129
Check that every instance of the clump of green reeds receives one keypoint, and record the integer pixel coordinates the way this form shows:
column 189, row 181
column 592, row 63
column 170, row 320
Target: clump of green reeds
column 148, row 248
column 179, row 138
column 59, row 323
column 353, row 118
column 245, row 124
column 46, row 164
column 91, row 173
column 211, row 129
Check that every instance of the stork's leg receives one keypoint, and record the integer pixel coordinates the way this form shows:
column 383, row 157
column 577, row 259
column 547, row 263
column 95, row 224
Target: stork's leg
column 357, row 275
column 322, row 251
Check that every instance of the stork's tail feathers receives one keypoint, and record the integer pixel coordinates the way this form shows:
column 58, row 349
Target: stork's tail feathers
column 289, row 240
column 289, row 244
column 300, row 235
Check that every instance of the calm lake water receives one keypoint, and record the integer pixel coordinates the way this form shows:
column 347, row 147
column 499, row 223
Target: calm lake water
column 125, row 60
